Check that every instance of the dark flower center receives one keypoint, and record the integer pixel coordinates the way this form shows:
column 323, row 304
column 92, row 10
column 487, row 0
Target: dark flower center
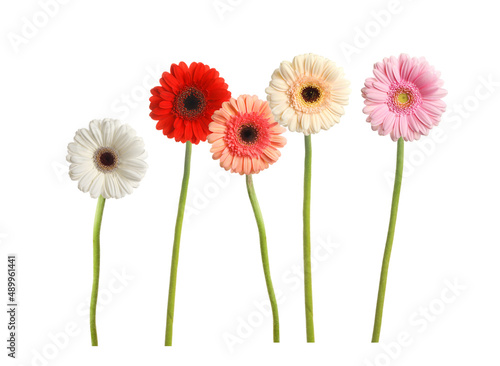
column 249, row 134
column 106, row 159
column 190, row 103
column 310, row 94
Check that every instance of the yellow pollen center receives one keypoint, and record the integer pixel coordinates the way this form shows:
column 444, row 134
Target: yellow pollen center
column 310, row 94
column 403, row 98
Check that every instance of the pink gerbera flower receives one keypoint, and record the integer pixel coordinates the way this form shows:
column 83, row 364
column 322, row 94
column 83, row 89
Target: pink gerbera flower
column 404, row 97
column 245, row 136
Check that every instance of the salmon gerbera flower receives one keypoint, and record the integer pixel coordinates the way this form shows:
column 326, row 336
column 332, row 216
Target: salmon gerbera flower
column 245, row 137
column 403, row 98
column 184, row 103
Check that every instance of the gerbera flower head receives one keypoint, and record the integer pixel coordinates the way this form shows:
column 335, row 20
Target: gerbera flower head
column 308, row 94
column 107, row 159
column 245, row 136
column 186, row 99
column 403, row 98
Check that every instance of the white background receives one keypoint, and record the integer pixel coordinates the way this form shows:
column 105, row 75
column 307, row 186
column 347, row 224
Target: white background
column 94, row 59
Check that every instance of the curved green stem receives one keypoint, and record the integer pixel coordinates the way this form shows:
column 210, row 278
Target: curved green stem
column 388, row 245
column 265, row 258
column 97, row 263
column 307, row 241
column 177, row 242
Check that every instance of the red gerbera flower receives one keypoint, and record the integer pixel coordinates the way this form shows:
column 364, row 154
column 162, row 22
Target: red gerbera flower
column 184, row 103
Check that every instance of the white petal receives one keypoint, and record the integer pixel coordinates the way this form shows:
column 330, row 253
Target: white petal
column 277, row 96
column 86, row 180
column 279, row 109
column 85, row 138
column 331, row 72
column 110, row 190
column 315, row 123
column 97, row 186
column 108, row 132
column 78, row 170
column 132, row 150
column 341, row 85
column 75, row 148
column 336, row 109
column 308, row 64
column 124, row 184
column 126, row 137
column 293, row 122
column 299, row 64
column 287, row 115
column 327, row 119
column 79, row 159
column 318, row 67
column 278, row 82
column 131, row 174
column 138, row 165
column 304, row 123
column 95, row 131
column 287, row 72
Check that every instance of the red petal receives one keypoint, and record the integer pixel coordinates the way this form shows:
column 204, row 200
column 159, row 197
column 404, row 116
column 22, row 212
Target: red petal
column 167, row 122
column 166, row 95
column 197, row 130
column 161, row 111
column 171, row 81
column 222, row 94
column 209, row 76
column 154, row 116
column 179, row 70
column 178, row 122
column 179, row 130
column 156, row 91
column 192, row 67
column 188, row 133
column 204, row 128
column 166, row 104
column 161, row 124
column 198, row 72
column 155, row 99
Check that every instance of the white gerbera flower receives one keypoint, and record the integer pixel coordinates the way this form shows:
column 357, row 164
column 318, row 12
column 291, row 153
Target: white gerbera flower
column 107, row 159
column 308, row 94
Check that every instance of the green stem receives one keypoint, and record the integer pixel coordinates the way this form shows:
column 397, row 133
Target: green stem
column 307, row 241
column 97, row 263
column 177, row 242
column 388, row 245
column 265, row 258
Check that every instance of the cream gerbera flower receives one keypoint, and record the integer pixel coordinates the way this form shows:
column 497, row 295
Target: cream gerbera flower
column 308, row 94
column 107, row 159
